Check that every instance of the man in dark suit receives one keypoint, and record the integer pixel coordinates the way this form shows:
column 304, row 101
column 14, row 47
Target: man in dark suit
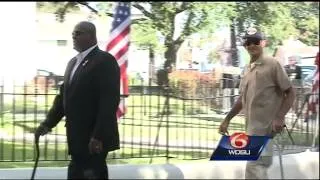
column 88, row 98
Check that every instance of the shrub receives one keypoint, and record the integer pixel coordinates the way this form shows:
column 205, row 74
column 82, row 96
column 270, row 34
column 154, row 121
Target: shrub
column 192, row 84
column 189, row 84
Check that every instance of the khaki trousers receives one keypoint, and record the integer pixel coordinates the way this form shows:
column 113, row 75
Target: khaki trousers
column 259, row 169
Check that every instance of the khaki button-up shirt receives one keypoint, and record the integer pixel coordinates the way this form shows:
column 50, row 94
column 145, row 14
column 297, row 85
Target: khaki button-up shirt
column 262, row 88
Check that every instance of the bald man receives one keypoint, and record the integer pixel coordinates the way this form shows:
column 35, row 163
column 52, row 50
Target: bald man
column 88, row 98
column 293, row 70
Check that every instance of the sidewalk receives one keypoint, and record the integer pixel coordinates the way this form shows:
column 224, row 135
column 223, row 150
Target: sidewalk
column 304, row 165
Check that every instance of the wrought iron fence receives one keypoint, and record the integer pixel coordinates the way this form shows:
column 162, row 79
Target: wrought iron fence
column 158, row 123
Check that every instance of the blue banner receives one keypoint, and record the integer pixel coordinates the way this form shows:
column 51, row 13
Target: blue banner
column 239, row 146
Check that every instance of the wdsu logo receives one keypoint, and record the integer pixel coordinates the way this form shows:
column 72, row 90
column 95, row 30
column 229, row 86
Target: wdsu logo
column 240, row 146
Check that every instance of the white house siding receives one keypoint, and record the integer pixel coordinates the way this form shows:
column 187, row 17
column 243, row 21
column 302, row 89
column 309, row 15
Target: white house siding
column 17, row 46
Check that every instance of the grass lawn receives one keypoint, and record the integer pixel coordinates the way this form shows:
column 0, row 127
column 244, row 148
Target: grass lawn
column 139, row 126
column 189, row 123
column 142, row 121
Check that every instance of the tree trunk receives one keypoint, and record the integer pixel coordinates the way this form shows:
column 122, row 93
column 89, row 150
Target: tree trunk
column 151, row 65
column 171, row 54
column 234, row 51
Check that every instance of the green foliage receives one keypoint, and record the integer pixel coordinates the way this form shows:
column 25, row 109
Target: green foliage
column 281, row 20
column 280, row 27
column 49, row 7
column 218, row 14
column 58, row 8
column 104, row 7
column 143, row 35
column 306, row 16
column 197, row 17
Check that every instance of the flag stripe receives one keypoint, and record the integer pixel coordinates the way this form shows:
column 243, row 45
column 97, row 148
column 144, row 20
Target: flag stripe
column 113, row 50
column 314, row 97
column 115, row 32
column 118, row 38
column 121, row 52
column 123, row 59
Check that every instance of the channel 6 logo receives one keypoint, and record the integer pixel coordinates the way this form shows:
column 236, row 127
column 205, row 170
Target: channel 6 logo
column 240, row 146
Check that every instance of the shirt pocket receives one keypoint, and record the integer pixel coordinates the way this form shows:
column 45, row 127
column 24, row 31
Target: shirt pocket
column 263, row 83
column 263, row 80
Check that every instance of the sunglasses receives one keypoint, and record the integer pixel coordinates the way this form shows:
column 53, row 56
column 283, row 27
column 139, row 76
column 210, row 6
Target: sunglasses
column 78, row 33
column 248, row 42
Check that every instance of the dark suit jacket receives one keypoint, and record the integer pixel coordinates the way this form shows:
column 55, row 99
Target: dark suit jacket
column 89, row 102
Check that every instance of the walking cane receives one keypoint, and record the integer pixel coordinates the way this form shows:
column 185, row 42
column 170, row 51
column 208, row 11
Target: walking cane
column 36, row 139
column 280, row 149
column 277, row 142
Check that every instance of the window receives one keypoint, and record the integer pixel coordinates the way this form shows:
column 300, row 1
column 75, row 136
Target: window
column 62, row 42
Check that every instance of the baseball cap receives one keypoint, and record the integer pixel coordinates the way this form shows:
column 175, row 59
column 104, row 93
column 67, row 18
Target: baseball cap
column 254, row 33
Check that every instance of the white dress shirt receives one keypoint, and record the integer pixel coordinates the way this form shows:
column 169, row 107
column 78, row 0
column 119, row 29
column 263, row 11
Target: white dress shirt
column 80, row 57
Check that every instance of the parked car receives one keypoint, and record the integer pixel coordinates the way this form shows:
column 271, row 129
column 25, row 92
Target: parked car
column 45, row 78
column 308, row 80
column 307, row 70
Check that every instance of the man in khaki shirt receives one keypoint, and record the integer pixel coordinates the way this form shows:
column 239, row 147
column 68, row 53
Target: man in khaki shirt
column 266, row 95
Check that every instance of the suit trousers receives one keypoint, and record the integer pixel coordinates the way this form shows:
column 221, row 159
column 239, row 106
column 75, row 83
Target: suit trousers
column 88, row 166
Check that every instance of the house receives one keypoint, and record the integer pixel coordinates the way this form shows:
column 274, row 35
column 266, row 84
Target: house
column 54, row 40
column 292, row 47
column 17, row 43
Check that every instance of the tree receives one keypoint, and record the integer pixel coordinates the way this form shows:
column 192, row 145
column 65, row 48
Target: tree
column 214, row 56
column 306, row 15
column 272, row 18
column 197, row 16
column 161, row 17
column 280, row 20
column 59, row 8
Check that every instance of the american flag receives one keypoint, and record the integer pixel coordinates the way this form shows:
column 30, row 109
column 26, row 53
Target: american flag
column 314, row 97
column 118, row 46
